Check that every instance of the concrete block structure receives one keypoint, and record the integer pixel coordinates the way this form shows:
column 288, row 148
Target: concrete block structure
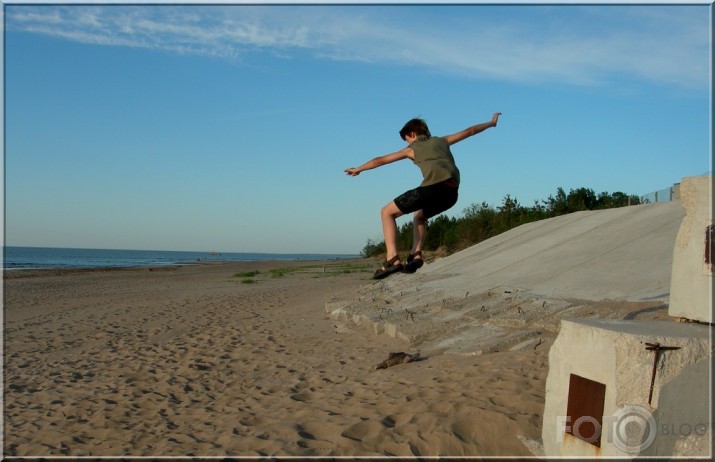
column 599, row 400
column 692, row 274
column 620, row 388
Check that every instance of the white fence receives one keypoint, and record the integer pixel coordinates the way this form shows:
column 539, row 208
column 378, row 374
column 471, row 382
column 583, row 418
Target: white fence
column 667, row 194
column 662, row 195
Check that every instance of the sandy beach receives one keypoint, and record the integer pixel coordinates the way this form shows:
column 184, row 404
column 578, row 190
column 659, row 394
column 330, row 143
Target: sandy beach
column 211, row 360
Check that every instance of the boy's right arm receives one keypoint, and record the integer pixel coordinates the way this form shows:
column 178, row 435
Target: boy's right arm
column 473, row 130
column 404, row 153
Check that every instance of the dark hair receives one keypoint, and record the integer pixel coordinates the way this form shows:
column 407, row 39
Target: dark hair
column 416, row 126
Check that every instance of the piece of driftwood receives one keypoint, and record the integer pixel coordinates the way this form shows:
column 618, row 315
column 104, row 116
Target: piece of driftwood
column 394, row 359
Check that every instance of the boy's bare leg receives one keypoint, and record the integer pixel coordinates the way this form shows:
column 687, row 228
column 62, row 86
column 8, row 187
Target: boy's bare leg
column 419, row 231
column 389, row 214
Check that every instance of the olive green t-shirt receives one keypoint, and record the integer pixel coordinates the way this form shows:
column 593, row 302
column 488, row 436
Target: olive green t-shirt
column 435, row 160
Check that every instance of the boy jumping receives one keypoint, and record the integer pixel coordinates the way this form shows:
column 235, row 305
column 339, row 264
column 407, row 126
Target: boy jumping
column 437, row 192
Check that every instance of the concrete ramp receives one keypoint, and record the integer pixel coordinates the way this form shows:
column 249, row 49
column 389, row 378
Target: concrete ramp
column 624, row 253
column 507, row 291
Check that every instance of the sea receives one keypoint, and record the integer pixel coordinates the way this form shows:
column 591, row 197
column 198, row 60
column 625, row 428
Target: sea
column 18, row 258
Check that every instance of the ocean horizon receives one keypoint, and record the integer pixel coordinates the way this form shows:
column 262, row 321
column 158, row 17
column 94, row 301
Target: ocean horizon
column 17, row 258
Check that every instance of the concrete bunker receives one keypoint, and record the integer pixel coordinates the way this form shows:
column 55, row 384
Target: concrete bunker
column 628, row 388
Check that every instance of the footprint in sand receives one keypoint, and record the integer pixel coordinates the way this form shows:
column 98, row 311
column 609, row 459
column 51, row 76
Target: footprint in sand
column 362, row 431
column 317, row 447
column 304, row 396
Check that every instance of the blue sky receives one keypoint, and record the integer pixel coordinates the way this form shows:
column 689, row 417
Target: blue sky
column 228, row 127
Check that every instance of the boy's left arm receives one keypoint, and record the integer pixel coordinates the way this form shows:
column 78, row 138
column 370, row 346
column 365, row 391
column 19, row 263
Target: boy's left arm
column 404, row 153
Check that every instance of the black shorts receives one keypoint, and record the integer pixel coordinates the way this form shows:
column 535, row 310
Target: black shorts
column 432, row 200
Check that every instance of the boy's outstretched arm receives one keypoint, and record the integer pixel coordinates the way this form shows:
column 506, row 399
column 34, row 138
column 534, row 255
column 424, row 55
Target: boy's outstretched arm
column 382, row 160
column 473, row 130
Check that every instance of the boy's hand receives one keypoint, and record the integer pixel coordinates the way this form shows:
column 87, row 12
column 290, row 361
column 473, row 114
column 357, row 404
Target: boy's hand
column 352, row 171
column 495, row 118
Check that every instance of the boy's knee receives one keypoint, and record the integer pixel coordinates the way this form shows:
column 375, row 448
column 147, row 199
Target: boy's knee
column 390, row 211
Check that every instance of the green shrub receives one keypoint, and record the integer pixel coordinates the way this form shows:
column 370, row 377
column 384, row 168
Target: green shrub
column 247, row 274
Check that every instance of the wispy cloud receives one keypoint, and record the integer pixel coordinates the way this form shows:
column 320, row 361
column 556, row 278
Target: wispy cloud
column 574, row 45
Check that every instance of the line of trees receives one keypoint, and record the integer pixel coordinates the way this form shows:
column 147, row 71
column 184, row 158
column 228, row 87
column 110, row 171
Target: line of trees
column 480, row 222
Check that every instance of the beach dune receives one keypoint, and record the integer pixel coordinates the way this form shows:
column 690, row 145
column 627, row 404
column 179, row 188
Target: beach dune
column 196, row 361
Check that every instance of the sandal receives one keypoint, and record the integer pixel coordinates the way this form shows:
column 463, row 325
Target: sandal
column 388, row 267
column 413, row 264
